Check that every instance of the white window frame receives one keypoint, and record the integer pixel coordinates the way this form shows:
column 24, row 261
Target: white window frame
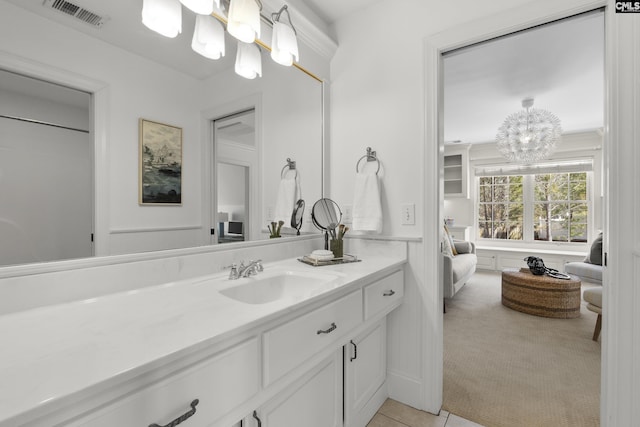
column 528, row 209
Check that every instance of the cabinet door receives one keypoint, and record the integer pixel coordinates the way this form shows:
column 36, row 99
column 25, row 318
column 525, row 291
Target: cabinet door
column 314, row 401
column 365, row 366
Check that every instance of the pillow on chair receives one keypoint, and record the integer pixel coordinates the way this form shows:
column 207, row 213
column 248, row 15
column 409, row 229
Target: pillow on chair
column 595, row 253
column 448, row 236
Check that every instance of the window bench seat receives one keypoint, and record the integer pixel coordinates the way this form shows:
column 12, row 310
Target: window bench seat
column 499, row 257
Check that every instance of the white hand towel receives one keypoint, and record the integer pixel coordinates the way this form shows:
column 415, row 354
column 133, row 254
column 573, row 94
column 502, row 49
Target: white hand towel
column 288, row 194
column 367, row 210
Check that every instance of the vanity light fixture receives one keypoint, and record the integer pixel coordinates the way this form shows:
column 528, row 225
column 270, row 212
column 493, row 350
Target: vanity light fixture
column 163, row 16
column 528, row 135
column 284, row 45
column 208, row 37
column 244, row 20
column 201, row 7
column 248, row 61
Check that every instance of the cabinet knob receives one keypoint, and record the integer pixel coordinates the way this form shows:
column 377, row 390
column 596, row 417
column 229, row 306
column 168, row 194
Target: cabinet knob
column 182, row 417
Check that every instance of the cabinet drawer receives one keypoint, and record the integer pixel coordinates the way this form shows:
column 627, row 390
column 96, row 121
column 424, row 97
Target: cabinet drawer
column 220, row 384
column 384, row 293
column 288, row 345
column 486, row 262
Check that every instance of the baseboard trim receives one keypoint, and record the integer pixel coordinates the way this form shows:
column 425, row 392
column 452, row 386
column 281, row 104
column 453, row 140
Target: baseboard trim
column 405, row 389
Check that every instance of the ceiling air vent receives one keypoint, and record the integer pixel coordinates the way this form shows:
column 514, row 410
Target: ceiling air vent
column 76, row 11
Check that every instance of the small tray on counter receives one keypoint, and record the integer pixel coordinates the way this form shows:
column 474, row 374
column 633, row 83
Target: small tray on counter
column 333, row 261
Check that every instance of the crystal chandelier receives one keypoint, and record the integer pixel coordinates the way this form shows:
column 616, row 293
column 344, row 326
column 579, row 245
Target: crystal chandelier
column 528, row 135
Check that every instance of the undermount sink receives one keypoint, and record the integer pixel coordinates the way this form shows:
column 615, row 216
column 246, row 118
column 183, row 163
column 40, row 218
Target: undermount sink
column 268, row 287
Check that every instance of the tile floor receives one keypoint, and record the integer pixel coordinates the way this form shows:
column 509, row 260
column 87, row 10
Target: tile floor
column 395, row 414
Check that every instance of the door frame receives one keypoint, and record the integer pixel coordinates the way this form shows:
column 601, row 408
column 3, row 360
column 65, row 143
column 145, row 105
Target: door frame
column 99, row 135
column 620, row 387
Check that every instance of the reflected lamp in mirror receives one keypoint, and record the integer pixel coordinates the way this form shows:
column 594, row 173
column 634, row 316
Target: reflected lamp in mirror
column 248, row 61
column 284, row 46
column 208, row 37
column 222, row 218
column 244, row 20
column 163, row 16
column 201, row 7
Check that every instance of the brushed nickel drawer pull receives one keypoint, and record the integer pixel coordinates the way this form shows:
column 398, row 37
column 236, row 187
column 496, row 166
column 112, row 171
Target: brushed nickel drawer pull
column 327, row 331
column 389, row 293
column 182, row 417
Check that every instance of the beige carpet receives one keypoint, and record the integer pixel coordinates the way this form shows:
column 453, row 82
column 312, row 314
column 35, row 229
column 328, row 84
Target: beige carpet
column 504, row 368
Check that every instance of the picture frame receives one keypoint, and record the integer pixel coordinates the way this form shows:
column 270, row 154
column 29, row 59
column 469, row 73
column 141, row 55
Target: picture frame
column 160, row 152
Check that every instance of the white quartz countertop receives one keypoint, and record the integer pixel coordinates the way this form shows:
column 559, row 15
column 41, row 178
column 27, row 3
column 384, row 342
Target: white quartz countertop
column 54, row 353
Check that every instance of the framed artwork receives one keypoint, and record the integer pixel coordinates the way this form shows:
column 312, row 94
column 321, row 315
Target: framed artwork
column 160, row 164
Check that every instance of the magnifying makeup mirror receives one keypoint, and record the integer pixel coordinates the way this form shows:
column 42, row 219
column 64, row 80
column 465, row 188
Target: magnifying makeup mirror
column 296, row 216
column 326, row 216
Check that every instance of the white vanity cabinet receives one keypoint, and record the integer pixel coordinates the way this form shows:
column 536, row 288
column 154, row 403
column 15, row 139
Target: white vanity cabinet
column 294, row 367
column 290, row 344
column 365, row 368
column 199, row 395
column 313, row 401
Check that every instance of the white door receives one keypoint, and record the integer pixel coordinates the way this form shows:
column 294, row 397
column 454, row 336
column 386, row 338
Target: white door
column 46, row 193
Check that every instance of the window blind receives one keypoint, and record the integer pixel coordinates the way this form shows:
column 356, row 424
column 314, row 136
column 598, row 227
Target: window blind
column 581, row 165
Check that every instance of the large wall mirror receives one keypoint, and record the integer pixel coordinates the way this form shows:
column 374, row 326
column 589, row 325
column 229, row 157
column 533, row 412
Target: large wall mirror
column 132, row 73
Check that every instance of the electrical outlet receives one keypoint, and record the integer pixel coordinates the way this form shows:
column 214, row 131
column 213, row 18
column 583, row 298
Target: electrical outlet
column 269, row 213
column 408, row 214
column 347, row 214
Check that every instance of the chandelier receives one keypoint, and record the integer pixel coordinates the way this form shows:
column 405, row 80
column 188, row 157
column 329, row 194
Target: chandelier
column 242, row 22
column 528, row 135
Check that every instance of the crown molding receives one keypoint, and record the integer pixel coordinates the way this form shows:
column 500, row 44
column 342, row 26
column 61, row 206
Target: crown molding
column 310, row 28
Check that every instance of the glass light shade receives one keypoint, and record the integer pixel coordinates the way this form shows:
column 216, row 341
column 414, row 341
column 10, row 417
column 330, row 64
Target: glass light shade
column 208, row 37
column 284, row 46
column 248, row 61
column 202, row 7
column 529, row 135
column 244, row 20
column 163, row 16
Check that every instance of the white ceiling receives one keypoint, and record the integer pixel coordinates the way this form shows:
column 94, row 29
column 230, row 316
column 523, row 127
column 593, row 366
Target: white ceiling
column 332, row 10
column 560, row 64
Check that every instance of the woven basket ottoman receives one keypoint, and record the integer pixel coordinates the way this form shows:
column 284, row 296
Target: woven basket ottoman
column 541, row 295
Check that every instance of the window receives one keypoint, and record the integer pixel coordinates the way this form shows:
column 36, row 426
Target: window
column 552, row 207
column 560, row 207
column 501, row 207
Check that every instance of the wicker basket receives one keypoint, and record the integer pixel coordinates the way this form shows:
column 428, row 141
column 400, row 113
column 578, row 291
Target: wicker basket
column 541, row 295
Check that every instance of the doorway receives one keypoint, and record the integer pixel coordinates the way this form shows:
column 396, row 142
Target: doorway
column 236, row 163
column 458, row 43
column 46, row 171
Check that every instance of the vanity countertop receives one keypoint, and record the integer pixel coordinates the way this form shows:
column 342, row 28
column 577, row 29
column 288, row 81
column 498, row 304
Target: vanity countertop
column 52, row 355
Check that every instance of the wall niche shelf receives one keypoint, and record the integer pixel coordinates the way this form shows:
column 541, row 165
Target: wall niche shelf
column 456, row 166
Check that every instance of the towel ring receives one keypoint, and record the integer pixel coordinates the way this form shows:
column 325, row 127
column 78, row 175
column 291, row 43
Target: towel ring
column 371, row 157
column 291, row 165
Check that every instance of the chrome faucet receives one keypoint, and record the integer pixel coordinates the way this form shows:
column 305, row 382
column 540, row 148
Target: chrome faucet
column 254, row 267
column 236, row 272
